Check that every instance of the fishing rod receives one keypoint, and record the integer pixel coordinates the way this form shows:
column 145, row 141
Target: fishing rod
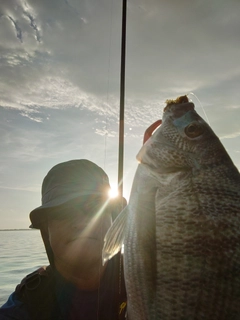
column 122, row 98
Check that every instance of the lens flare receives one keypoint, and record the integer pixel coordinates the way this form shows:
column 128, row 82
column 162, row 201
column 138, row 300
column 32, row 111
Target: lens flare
column 113, row 192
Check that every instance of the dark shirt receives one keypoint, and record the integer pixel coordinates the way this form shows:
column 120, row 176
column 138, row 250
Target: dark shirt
column 73, row 304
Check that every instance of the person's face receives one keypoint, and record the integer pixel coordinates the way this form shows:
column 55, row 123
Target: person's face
column 76, row 233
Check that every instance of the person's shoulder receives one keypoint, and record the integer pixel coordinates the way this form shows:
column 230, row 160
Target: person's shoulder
column 24, row 301
column 37, row 291
column 35, row 280
column 14, row 308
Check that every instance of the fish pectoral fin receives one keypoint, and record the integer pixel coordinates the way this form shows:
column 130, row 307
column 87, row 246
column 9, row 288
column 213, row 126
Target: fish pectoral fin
column 113, row 240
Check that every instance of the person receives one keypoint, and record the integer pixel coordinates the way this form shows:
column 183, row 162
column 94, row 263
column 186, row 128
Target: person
column 74, row 217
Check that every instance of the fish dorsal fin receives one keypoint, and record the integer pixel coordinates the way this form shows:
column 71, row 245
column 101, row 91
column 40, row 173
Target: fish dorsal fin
column 113, row 240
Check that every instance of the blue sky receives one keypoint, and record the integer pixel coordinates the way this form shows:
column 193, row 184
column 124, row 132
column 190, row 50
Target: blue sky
column 59, row 83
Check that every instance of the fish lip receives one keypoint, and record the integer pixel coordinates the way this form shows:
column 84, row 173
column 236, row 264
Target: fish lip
column 176, row 111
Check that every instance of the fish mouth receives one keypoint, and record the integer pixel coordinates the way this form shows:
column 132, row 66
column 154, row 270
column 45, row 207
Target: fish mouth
column 175, row 109
column 179, row 100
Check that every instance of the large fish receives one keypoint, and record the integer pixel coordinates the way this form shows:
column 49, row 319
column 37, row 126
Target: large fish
column 181, row 229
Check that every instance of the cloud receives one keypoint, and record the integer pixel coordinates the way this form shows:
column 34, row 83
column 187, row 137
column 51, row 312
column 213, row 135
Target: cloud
column 57, row 133
column 22, row 188
column 230, row 136
column 19, row 19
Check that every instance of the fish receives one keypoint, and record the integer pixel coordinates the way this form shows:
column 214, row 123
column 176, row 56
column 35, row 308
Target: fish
column 181, row 227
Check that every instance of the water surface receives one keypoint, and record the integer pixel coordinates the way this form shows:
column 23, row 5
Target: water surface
column 21, row 252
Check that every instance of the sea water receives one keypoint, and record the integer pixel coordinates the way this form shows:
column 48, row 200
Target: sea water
column 21, row 252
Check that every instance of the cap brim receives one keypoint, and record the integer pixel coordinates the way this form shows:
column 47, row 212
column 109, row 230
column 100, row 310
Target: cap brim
column 38, row 215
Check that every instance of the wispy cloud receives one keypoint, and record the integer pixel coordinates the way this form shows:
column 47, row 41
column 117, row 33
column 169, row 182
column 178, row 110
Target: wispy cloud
column 22, row 188
column 18, row 29
column 231, row 135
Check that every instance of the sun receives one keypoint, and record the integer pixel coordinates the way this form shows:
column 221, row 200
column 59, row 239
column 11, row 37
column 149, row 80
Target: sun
column 113, row 192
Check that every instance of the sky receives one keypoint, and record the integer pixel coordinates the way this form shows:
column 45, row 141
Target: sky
column 60, row 83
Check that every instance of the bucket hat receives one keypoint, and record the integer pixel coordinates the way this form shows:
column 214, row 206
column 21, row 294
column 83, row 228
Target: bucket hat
column 69, row 181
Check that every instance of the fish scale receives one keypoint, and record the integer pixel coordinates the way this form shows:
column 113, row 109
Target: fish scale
column 195, row 261
column 181, row 228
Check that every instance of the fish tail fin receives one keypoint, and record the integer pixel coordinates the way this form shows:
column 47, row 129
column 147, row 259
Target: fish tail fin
column 113, row 240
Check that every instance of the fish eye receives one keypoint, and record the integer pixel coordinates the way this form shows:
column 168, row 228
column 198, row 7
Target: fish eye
column 193, row 130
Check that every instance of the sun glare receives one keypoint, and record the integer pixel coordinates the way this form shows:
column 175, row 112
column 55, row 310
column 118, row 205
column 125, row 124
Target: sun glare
column 113, row 192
